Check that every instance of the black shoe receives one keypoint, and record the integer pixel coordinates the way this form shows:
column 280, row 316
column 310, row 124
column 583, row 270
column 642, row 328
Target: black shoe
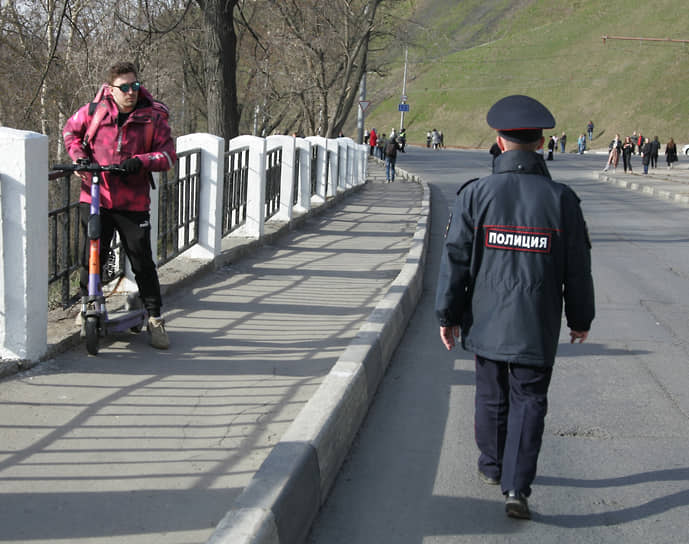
column 487, row 479
column 516, row 505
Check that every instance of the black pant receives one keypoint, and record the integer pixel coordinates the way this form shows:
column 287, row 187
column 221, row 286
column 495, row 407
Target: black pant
column 627, row 160
column 134, row 229
column 511, row 405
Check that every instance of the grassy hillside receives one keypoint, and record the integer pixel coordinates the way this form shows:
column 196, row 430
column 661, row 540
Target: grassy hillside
column 470, row 53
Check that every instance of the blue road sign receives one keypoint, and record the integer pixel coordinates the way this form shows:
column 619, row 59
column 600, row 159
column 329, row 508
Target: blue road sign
column 403, row 107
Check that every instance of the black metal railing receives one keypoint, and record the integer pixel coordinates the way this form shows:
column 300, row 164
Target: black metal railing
column 179, row 205
column 64, row 238
column 328, row 177
column 314, row 169
column 177, row 227
column 235, row 189
column 273, row 175
column 179, row 210
column 295, row 178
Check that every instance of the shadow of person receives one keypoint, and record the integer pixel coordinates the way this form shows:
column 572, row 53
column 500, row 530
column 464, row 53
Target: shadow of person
column 651, row 508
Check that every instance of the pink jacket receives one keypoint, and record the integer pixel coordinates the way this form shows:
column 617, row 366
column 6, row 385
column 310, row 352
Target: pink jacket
column 112, row 145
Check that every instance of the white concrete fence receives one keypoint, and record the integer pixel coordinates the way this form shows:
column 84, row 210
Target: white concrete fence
column 24, row 243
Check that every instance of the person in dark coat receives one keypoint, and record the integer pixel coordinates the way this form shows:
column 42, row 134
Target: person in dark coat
column 390, row 150
column 646, row 152
column 551, row 147
column 671, row 153
column 627, row 150
column 516, row 249
column 495, row 151
column 655, row 149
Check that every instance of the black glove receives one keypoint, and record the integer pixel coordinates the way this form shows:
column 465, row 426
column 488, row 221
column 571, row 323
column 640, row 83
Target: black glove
column 131, row 166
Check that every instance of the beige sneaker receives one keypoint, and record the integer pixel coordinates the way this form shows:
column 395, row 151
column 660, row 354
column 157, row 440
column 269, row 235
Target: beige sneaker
column 156, row 329
column 81, row 324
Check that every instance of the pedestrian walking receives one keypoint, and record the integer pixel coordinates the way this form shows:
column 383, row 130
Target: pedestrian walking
column 563, row 142
column 646, row 151
column 516, row 247
column 380, row 146
column 627, row 149
column 124, row 125
column 551, row 148
column 391, row 147
column 581, row 144
column 655, row 149
column 671, row 153
column 614, row 150
column 589, row 130
column 435, row 139
column 372, row 141
column 402, row 139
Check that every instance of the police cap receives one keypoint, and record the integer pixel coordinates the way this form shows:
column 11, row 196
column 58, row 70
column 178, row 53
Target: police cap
column 520, row 118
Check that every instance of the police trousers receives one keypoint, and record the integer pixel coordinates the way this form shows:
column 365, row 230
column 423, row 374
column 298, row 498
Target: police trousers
column 134, row 229
column 511, row 404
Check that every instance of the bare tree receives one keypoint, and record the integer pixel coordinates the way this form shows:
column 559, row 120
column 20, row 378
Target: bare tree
column 221, row 65
column 312, row 58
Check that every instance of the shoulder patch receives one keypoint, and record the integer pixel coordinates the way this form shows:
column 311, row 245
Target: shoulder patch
column 467, row 183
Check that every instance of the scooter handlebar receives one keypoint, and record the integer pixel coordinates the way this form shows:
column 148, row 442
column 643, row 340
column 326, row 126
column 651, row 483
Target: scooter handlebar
column 90, row 167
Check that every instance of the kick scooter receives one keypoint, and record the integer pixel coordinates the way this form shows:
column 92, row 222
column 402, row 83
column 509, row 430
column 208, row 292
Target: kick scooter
column 94, row 314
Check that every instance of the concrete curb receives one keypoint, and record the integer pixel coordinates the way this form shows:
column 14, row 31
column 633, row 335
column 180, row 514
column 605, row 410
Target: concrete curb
column 282, row 500
column 653, row 187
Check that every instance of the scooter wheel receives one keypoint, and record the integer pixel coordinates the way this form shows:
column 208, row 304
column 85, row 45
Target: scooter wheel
column 92, row 335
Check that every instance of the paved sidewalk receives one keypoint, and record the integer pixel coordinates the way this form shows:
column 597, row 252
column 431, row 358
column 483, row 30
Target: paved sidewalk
column 662, row 182
column 143, row 446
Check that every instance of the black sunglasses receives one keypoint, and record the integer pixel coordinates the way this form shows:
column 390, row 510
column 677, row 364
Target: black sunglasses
column 126, row 86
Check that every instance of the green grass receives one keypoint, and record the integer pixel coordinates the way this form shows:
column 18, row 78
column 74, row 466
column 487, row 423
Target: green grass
column 551, row 50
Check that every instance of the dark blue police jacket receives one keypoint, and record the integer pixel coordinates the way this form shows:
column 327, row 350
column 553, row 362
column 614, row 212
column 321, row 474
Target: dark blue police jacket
column 515, row 248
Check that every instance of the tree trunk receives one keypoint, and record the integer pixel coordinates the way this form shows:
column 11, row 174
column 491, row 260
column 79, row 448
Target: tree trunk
column 221, row 61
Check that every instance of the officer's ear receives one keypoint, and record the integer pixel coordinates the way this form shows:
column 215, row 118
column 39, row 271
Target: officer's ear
column 540, row 143
column 501, row 143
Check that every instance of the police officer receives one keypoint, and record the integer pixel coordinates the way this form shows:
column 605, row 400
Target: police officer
column 515, row 248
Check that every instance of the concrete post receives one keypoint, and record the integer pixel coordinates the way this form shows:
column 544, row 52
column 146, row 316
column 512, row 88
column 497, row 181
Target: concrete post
column 23, row 231
column 304, row 149
column 321, row 164
column 334, row 173
column 210, row 199
column 256, row 190
column 363, row 148
column 343, row 154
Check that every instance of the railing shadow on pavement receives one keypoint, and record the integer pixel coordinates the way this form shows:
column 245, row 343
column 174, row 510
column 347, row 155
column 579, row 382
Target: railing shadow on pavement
column 111, row 447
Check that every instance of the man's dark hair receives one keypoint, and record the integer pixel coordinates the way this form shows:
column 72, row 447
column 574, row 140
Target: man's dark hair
column 118, row 69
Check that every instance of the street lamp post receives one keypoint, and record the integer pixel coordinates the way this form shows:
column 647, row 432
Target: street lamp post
column 404, row 87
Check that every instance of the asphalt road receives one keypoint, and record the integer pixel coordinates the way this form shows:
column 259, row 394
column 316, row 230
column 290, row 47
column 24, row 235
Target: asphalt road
column 615, row 460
